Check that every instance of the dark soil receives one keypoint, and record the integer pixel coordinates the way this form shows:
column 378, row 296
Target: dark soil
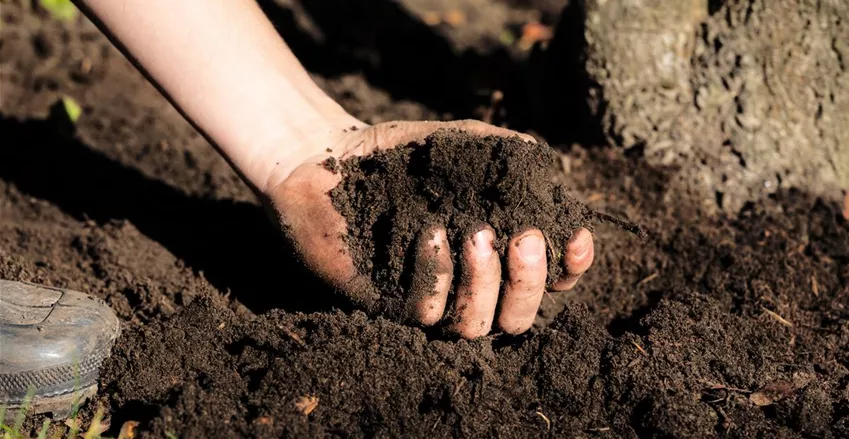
column 731, row 326
column 457, row 181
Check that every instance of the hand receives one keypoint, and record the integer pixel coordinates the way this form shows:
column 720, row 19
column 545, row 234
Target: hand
column 301, row 199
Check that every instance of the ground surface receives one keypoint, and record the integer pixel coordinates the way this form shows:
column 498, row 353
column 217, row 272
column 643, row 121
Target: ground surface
column 716, row 327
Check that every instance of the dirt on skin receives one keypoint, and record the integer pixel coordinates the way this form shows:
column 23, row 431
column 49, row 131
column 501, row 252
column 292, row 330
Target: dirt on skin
column 390, row 199
column 732, row 326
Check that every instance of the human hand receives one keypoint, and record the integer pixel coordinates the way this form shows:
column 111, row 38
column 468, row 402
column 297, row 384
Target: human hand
column 300, row 198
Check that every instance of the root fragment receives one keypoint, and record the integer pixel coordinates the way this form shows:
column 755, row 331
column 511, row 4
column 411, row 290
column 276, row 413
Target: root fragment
column 778, row 318
column 545, row 418
column 635, row 229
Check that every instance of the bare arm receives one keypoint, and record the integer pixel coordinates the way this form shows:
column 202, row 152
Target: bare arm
column 223, row 65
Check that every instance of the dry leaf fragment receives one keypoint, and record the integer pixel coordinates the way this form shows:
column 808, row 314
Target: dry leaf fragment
column 772, row 392
column 307, row 404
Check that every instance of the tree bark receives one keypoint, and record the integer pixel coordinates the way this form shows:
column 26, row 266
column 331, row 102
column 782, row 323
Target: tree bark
column 744, row 96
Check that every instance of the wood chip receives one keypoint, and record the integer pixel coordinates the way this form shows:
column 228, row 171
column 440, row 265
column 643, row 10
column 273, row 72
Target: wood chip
column 815, row 286
column 307, row 404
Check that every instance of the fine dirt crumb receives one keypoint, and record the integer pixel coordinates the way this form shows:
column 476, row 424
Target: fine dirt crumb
column 331, row 165
column 456, row 180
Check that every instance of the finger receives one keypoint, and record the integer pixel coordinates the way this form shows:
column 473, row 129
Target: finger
column 527, row 268
column 577, row 259
column 390, row 134
column 310, row 221
column 432, row 276
column 482, row 129
column 477, row 291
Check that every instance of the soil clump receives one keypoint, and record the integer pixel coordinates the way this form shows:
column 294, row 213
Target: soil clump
column 457, row 181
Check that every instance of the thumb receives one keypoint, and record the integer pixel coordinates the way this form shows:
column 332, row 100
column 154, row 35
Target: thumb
column 388, row 135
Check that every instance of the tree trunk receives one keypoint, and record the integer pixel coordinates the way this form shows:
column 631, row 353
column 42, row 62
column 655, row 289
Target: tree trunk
column 744, row 96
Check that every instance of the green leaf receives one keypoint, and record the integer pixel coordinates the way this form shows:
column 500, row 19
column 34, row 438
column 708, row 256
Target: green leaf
column 44, row 427
column 62, row 10
column 22, row 413
column 507, row 37
column 72, row 108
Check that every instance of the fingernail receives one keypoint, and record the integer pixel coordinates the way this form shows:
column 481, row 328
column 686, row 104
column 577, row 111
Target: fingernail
column 483, row 243
column 531, row 248
column 580, row 248
column 437, row 240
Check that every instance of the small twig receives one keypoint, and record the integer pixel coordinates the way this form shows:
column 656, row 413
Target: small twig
column 648, row 279
column 731, row 389
column 294, row 336
column 457, row 389
column 778, row 318
column 550, row 246
column 598, row 429
column 815, row 286
column 619, row 222
column 639, row 348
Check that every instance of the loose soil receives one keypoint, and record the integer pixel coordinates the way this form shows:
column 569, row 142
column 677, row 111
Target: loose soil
column 392, row 198
column 729, row 326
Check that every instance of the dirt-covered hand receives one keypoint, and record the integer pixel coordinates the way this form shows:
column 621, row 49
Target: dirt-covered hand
column 302, row 201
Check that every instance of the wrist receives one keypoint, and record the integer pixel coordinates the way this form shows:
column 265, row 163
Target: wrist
column 292, row 138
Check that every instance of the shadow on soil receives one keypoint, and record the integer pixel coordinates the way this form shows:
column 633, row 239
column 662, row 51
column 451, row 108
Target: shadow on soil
column 233, row 243
column 544, row 92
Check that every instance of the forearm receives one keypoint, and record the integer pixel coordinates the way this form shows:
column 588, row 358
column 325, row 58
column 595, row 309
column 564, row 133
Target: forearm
column 222, row 64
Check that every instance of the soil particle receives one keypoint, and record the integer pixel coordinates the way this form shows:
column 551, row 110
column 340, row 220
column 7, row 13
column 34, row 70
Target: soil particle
column 454, row 180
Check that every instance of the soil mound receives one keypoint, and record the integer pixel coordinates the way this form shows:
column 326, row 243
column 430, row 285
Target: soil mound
column 458, row 181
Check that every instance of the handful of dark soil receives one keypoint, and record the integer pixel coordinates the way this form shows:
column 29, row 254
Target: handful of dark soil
column 458, row 181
